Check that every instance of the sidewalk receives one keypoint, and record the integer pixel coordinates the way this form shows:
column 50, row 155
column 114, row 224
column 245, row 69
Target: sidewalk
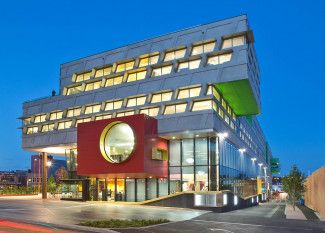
column 301, row 212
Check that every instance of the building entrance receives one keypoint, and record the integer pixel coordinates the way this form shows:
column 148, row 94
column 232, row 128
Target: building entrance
column 111, row 190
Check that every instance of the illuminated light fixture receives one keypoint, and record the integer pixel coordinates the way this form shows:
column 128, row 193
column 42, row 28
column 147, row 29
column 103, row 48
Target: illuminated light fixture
column 260, row 164
column 49, row 164
column 222, row 135
column 150, row 177
column 265, row 168
column 252, row 200
column 253, row 159
column 242, row 150
column 127, row 177
column 257, row 199
column 173, row 137
column 197, row 135
column 190, row 160
column 235, row 200
column 225, row 199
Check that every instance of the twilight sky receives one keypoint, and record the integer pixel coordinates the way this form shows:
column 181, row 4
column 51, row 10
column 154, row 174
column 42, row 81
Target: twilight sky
column 37, row 36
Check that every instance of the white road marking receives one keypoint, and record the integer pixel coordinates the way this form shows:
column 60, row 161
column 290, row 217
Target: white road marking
column 272, row 212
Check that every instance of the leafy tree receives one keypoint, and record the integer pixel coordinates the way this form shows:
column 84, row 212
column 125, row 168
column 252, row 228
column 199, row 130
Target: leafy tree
column 293, row 184
column 51, row 185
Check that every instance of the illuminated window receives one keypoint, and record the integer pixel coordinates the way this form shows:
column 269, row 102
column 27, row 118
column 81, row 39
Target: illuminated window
column 113, row 105
column 136, row 76
column 136, row 101
column 150, row 111
column 56, row 115
column 233, row 42
column 221, row 113
column 103, row 72
column 188, row 93
column 189, row 65
column 83, row 77
column 88, row 119
column 113, row 81
column 151, row 60
column 93, row 85
column 27, row 121
column 73, row 112
column 203, row 105
column 48, row 127
column 74, row 90
column 161, row 97
column 175, row 108
column 127, row 113
column 92, row 108
column 64, row 125
column 203, row 48
column 31, row 130
column 40, row 118
column 125, row 66
column 219, row 59
column 227, row 119
column 224, row 104
column 176, row 54
column 102, row 117
column 161, row 71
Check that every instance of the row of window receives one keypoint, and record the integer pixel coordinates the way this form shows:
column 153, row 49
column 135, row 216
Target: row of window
column 198, row 105
column 200, row 48
column 141, row 74
column 117, row 104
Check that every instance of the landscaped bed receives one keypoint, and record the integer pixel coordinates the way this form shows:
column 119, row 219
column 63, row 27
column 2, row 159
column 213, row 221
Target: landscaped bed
column 118, row 223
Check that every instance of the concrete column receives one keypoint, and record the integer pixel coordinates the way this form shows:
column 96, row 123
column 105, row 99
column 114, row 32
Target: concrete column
column 44, row 175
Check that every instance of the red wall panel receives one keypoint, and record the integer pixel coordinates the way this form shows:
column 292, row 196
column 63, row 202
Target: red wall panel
column 139, row 165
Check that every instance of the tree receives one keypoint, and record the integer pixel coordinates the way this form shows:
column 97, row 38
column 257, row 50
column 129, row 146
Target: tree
column 51, row 185
column 293, row 184
column 61, row 174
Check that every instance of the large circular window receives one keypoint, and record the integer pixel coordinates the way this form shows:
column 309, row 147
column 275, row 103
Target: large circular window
column 117, row 142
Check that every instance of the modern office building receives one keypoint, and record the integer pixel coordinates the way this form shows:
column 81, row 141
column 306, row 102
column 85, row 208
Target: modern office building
column 175, row 113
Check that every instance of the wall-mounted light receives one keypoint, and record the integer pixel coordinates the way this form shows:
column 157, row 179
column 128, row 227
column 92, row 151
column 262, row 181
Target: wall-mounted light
column 173, row 137
column 222, row 135
column 253, row 159
column 197, row 135
column 260, row 164
column 242, row 150
column 225, row 199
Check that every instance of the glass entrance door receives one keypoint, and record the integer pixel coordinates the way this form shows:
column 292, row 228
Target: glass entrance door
column 115, row 190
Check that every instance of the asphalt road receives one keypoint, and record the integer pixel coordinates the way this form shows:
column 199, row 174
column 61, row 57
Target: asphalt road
column 55, row 214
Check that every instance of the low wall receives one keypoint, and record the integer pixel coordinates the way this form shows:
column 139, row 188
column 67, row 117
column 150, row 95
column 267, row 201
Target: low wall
column 315, row 193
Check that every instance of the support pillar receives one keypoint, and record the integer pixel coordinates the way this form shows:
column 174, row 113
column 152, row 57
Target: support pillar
column 44, row 175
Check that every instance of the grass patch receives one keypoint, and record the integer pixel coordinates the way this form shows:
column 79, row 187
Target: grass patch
column 118, row 223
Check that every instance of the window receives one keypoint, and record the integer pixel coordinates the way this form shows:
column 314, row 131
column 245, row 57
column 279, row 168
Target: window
column 175, row 108
column 40, row 118
column 187, row 93
column 88, row 119
column 47, row 128
column 27, row 121
column 136, row 76
column 203, row 105
column 203, row 48
column 161, row 97
column 151, row 60
column 103, row 72
column 102, row 117
column 83, row 77
column 74, row 112
column 233, row 42
column 176, row 54
column 161, row 71
column 93, row 86
column 189, row 65
column 150, row 111
column 224, row 104
column 221, row 113
column 219, row 59
column 125, row 66
column 65, row 125
column 136, row 101
column 31, row 130
column 113, row 105
column 56, row 115
column 92, row 109
column 128, row 113
column 113, row 81
column 74, row 90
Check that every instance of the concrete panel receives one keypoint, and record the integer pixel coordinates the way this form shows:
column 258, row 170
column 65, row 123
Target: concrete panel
column 115, row 56
column 152, row 86
column 105, row 95
column 50, row 106
column 67, row 102
column 190, row 37
column 162, row 44
column 85, row 99
column 138, row 50
column 129, row 90
column 94, row 63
